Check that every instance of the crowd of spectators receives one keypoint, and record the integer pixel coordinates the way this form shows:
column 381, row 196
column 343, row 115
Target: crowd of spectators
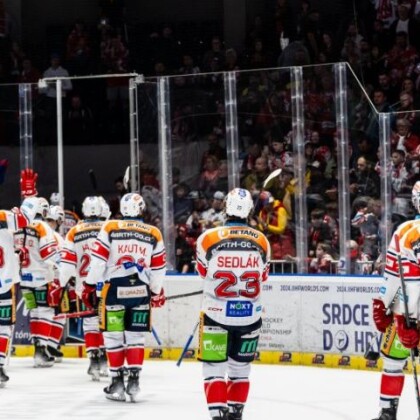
column 382, row 48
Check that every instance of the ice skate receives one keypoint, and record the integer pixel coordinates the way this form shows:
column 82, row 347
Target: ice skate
column 236, row 412
column 223, row 414
column 132, row 390
column 3, row 377
column 94, row 365
column 56, row 353
column 103, row 364
column 389, row 413
column 115, row 390
column 41, row 357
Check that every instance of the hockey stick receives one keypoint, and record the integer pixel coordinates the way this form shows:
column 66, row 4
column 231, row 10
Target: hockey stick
column 197, row 292
column 156, row 337
column 273, row 174
column 79, row 314
column 407, row 316
column 187, row 344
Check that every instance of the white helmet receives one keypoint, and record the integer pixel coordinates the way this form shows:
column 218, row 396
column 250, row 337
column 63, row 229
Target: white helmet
column 105, row 212
column 56, row 213
column 29, row 208
column 55, row 199
column 239, row 203
column 415, row 196
column 92, row 207
column 43, row 207
column 132, row 205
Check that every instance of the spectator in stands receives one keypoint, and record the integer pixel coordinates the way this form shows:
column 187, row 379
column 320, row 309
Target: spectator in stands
column 254, row 181
column 17, row 55
column 78, row 122
column 214, row 58
column 29, row 73
column 364, row 180
column 184, row 251
column 222, row 183
column 50, row 97
column 215, row 216
column 182, row 204
column 214, row 149
column 406, row 24
column 208, row 176
column 114, row 202
column 195, row 221
column 78, row 52
column 367, row 224
column 322, row 263
column 403, row 139
column 318, row 231
column 189, row 67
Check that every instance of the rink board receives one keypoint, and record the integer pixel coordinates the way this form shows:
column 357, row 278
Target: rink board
column 307, row 320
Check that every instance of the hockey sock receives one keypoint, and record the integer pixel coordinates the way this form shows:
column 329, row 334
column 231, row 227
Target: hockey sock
column 134, row 356
column 392, row 384
column 237, row 390
column 116, row 358
column 56, row 332
column 216, row 394
column 40, row 330
column 93, row 340
column 4, row 340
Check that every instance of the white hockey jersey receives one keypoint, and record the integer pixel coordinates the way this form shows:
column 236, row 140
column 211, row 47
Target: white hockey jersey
column 38, row 267
column 9, row 261
column 75, row 254
column 126, row 247
column 392, row 283
column 233, row 261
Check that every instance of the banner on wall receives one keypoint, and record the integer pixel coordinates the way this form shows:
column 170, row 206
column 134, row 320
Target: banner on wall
column 303, row 314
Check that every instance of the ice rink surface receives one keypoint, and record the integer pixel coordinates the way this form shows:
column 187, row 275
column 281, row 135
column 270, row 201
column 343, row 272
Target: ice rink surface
column 169, row 392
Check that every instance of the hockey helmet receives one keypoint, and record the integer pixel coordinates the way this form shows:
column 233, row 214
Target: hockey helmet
column 43, row 207
column 239, row 203
column 29, row 207
column 132, row 205
column 415, row 196
column 56, row 213
column 105, row 211
column 92, row 207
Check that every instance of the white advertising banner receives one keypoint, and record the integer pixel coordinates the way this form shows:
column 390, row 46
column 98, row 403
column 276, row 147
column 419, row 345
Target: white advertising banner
column 330, row 314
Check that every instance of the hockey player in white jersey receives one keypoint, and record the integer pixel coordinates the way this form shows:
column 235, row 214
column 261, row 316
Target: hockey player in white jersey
column 57, row 296
column 129, row 256
column 75, row 260
column 233, row 261
column 37, row 251
column 393, row 353
column 10, row 222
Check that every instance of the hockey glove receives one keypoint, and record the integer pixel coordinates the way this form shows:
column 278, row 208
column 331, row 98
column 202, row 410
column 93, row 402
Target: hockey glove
column 55, row 293
column 408, row 336
column 89, row 297
column 28, row 183
column 380, row 317
column 158, row 300
column 23, row 257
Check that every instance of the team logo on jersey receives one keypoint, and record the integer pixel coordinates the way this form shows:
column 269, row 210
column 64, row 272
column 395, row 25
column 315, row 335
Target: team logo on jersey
column 223, row 233
column 238, row 308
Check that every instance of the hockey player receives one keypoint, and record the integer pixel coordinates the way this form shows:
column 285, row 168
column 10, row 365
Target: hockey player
column 37, row 252
column 129, row 256
column 233, row 260
column 57, row 296
column 75, row 259
column 393, row 353
column 10, row 221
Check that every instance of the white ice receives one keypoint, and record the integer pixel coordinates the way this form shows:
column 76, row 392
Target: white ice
column 170, row 392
